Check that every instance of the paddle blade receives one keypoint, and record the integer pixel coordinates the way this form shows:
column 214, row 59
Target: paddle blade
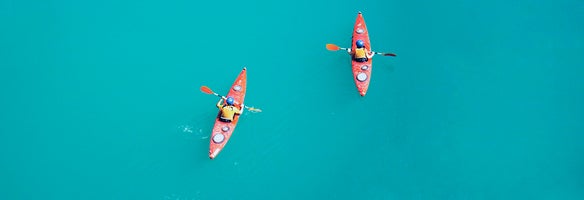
column 254, row 110
column 332, row 47
column 206, row 89
column 386, row 54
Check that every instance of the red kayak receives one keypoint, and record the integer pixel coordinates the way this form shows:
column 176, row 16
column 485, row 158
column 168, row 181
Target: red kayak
column 222, row 130
column 361, row 70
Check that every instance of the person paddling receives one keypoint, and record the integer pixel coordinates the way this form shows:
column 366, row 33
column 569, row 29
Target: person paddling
column 361, row 54
column 228, row 110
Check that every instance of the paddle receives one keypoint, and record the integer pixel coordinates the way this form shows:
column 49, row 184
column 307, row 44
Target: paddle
column 333, row 47
column 208, row 90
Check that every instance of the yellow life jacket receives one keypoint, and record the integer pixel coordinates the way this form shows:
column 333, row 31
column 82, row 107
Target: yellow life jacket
column 228, row 112
column 360, row 53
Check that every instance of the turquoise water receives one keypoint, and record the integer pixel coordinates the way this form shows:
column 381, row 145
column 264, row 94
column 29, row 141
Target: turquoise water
column 101, row 100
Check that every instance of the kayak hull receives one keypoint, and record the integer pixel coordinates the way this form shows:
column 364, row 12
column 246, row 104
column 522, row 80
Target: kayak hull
column 222, row 131
column 361, row 70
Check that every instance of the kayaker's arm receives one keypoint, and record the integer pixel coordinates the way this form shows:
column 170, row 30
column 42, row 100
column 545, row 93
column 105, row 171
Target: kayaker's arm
column 370, row 54
column 219, row 103
column 240, row 109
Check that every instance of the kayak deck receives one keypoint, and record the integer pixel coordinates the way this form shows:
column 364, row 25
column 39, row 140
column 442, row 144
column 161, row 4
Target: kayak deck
column 222, row 131
column 361, row 70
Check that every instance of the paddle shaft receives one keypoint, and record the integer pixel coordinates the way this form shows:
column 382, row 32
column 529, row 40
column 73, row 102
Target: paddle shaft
column 223, row 97
column 333, row 47
column 378, row 53
column 208, row 90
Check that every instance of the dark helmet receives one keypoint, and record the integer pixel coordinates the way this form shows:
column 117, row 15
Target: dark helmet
column 360, row 43
column 230, row 101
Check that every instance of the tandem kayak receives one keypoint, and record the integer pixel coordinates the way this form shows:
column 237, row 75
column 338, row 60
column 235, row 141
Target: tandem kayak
column 222, row 130
column 361, row 70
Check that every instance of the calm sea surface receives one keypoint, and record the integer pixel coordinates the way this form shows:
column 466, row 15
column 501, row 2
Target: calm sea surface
column 100, row 100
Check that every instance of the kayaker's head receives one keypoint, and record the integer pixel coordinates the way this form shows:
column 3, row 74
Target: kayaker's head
column 230, row 101
column 360, row 43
